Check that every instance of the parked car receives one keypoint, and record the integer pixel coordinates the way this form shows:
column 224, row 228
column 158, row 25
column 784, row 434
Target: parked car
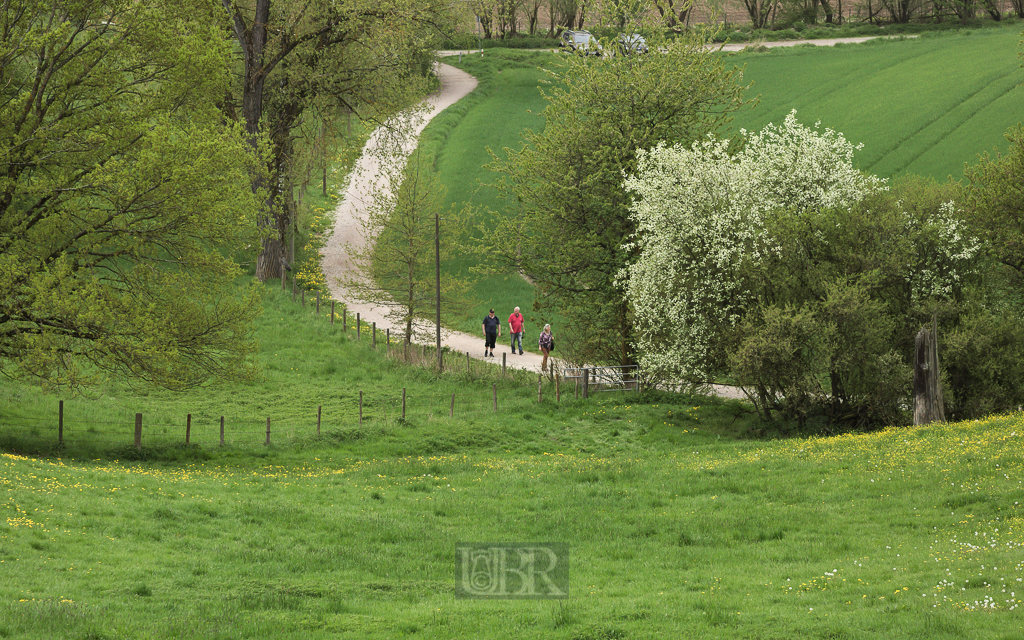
column 580, row 42
column 630, row 43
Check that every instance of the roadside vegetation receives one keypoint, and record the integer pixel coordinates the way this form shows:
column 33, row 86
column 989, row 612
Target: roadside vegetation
column 898, row 137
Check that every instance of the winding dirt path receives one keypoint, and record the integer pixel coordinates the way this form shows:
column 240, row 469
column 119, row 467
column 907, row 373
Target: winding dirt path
column 360, row 195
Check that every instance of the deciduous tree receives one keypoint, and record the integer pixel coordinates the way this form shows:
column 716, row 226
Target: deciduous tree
column 120, row 196
column 395, row 263
column 785, row 268
column 567, row 214
column 362, row 56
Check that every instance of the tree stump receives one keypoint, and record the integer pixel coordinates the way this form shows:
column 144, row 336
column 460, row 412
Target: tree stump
column 927, row 385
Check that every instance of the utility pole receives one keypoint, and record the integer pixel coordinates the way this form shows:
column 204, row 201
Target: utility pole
column 437, row 275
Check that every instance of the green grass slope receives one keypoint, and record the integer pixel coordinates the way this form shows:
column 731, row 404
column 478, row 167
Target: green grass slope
column 924, row 106
column 506, row 102
column 669, row 532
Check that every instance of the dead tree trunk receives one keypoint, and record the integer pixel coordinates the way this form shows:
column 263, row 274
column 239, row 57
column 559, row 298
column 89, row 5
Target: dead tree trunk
column 927, row 386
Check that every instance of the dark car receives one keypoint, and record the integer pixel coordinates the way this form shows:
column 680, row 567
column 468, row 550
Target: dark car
column 630, row 43
column 580, row 42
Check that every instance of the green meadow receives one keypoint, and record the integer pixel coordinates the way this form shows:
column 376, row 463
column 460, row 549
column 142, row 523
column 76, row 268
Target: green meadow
column 924, row 106
column 667, row 528
column 920, row 106
column 674, row 516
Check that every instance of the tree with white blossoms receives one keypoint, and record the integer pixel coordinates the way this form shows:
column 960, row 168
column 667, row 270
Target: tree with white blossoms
column 786, row 268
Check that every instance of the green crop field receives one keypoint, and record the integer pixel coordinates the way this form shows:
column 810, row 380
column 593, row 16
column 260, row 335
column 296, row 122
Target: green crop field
column 923, row 106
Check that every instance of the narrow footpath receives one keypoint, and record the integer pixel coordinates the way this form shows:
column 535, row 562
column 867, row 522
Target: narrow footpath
column 359, row 197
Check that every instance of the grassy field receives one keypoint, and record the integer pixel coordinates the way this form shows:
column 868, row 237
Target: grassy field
column 308, row 365
column 675, row 516
column 670, row 530
column 506, row 102
column 924, row 106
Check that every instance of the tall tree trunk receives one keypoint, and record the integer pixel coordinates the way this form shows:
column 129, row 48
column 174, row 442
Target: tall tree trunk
column 829, row 13
column 252, row 39
column 927, row 386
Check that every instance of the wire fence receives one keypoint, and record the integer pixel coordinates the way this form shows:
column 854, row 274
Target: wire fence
column 349, row 414
column 353, row 416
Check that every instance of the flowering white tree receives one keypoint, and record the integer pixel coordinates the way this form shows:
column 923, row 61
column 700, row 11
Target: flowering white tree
column 786, row 268
column 701, row 216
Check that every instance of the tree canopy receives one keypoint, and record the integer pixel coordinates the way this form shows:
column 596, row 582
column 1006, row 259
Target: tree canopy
column 787, row 270
column 314, row 59
column 567, row 214
column 122, row 192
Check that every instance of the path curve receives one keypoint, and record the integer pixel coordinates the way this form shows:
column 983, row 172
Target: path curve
column 359, row 195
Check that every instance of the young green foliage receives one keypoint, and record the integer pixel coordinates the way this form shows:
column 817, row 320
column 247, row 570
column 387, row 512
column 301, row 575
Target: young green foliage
column 122, row 194
column 787, row 269
column 395, row 257
column 318, row 58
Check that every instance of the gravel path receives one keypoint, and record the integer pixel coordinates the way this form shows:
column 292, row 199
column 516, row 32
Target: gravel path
column 359, row 195
column 828, row 42
column 455, row 84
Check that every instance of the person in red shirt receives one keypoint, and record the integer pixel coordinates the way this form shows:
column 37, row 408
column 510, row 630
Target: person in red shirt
column 515, row 326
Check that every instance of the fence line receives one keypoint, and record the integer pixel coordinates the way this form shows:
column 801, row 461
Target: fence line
column 344, row 419
column 360, row 411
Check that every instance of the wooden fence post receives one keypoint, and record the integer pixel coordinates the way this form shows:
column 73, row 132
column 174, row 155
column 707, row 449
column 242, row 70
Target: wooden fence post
column 332, row 311
column 60, row 424
column 138, row 431
column 374, row 335
column 268, row 431
column 927, row 385
column 303, row 298
column 222, row 431
column 357, row 326
column 319, row 409
column 495, row 397
column 451, row 412
column 467, row 362
column 318, row 304
column 403, row 404
column 586, row 382
column 558, row 393
column 540, row 387
column 344, row 318
column 360, row 408
column 188, row 428
column 504, row 354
